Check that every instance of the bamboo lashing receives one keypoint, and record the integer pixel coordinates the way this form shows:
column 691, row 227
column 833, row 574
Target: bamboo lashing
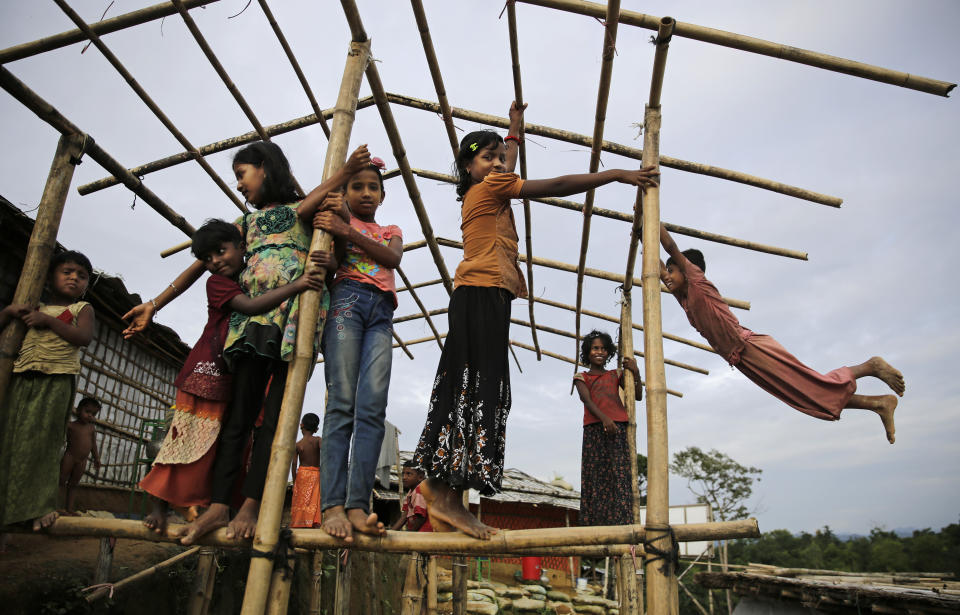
column 143, row 574
column 623, row 150
column 219, row 146
column 762, row 47
column 624, row 217
column 222, row 73
column 522, row 159
column 106, row 26
column 660, row 573
column 600, row 118
column 423, row 310
column 46, row 112
column 40, row 249
column 593, row 273
column 505, row 541
column 295, row 64
column 271, row 508
column 566, row 359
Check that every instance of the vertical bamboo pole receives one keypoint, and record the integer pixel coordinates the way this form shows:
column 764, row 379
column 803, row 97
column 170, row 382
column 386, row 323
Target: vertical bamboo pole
column 104, row 561
column 629, row 596
column 271, row 509
column 344, row 572
column 432, row 585
column 659, row 572
column 199, row 603
column 411, row 596
column 316, row 570
column 573, row 577
column 459, row 567
column 43, row 240
column 280, row 580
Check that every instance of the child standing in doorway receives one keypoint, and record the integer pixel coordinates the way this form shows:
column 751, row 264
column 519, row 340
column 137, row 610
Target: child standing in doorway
column 81, row 443
column 305, row 502
column 35, row 411
column 413, row 513
column 358, row 354
column 181, row 473
column 763, row 360
column 463, row 442
column 606, row 496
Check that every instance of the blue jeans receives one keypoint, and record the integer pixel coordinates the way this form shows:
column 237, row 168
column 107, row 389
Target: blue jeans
column 358, row 353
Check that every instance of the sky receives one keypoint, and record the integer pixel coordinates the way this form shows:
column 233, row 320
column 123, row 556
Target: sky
column 877, row 281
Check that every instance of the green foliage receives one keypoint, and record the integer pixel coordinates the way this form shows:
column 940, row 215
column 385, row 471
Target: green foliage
column 717, row 480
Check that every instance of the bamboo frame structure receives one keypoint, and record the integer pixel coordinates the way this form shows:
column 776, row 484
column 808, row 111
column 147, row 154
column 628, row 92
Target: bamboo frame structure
column 423, row 310
column 102, row 592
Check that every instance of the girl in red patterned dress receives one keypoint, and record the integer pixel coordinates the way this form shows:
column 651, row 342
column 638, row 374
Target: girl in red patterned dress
column 181, row 472
column 605, row 491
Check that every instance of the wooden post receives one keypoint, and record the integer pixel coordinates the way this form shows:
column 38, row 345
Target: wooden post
column 279, row 599
column 629, row 598
column 660, row 573
column 104, row 561
column 459, row 567
column 341, row 604
column 271, row 508
column 43, row 240
column 432, row 585
column 411, row 597
column 573, row 576
column 316, row 571
column 199, row 603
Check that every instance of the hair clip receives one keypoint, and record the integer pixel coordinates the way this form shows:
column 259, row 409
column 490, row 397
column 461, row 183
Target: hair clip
column 473, row 147
column 379, row 163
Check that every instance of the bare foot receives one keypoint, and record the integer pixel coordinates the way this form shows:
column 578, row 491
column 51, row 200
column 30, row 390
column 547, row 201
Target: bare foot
column 244, row 525
column 157, row 519
column 364, row 523
column 215, row 517
column 42, row 523
column 885, row 408
column 336, row 524
column 886, row 372
column 445, row 505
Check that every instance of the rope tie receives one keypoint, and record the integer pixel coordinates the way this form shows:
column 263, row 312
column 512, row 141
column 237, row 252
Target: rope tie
column 670, row 557
column 108, row 586
column 279, row 553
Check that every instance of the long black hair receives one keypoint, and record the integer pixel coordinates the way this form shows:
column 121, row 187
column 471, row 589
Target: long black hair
column 608, row 345
column 470, row 146
column 278, row 185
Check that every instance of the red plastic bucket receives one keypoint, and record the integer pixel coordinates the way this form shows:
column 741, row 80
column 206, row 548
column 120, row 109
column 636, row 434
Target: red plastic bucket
column 531, row 568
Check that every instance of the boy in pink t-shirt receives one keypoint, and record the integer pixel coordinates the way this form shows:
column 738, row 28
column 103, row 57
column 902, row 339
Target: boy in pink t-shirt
column 358, row 352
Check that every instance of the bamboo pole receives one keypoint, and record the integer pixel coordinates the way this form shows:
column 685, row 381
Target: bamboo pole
column 411, row 596
column 434, row 65
column 459, row 574
column 432, row 585
column 341, row 604
column 279, row 599
column 219, row 146
column 593, row 273
column 420, row 285
column 143, row 574
column 507, row 541
column 522, row 156
column 316, row 570
column 606, row 72
column 661, row 577
column 40, row 248
column 295, row 65
column 199, row 603
column 629, row 598
column 762, row 47
column 50, row 115
column 623, row 150
column 625, row 352
column 101, row 573
column 423, row 310
column 271, row 509
column 120, row 22
column 624, row 217
column 566, row 359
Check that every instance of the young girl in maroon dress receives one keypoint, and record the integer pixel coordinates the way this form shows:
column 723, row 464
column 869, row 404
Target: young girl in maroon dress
column 762, row 359
column 605, row 490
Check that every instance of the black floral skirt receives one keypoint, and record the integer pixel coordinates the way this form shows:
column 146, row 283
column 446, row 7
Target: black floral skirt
column 464, row 438
column 605, row 494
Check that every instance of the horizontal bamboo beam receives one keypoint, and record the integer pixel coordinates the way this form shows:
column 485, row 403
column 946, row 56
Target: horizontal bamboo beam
column 686, row 366
column 623, row 150
column 760, row 46
column 624, row 217
column 565, row 359
column 420, row 285
column 410, row 317
column 421, row 340
column 593, row 273
column 120, row 22
column 423, row 309
column 591, row 551
column 219, row 146
column 46, row 112
column 505, row 541
column 669, row 336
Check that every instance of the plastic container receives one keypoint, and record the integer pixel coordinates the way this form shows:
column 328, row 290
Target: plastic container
column 531, row 568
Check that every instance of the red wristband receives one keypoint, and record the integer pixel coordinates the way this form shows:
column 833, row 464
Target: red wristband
column 512, row 138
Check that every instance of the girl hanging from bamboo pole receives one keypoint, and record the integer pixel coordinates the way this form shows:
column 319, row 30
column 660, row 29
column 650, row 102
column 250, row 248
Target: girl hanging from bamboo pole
column 182, row 472
column 358, row 353
column 606, row 497
column 258, row 348
column 762, row 359
column 463, row 440
column 38, row 401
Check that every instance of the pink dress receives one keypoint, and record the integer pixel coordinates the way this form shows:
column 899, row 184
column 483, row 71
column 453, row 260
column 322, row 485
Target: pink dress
column 760, row 357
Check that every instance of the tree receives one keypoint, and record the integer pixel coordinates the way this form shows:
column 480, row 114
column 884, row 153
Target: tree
column 717, row 480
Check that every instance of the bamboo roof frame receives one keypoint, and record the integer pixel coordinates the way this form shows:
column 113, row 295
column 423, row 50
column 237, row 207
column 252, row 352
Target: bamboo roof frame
column 383, row 100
